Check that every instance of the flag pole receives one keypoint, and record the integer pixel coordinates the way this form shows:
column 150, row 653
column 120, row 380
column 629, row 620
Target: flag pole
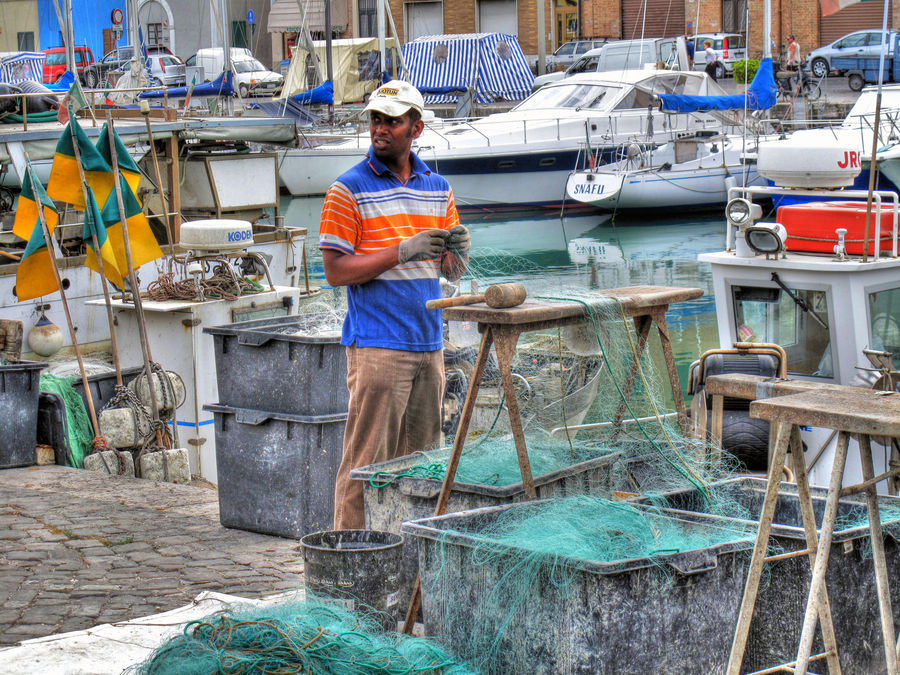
column 132, row 278
column 114, row 346
column 48, row 240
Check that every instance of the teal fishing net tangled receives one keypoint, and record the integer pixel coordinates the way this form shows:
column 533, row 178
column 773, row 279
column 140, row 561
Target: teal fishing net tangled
column 310, row 637
column 78, row 423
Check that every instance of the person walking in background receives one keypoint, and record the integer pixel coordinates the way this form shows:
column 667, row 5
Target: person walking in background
column 712, row 56
column 689, row 46
column 793, row 54
column 389, row 229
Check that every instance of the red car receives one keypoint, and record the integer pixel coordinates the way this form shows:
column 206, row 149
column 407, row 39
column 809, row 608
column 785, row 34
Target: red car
column 55, row 62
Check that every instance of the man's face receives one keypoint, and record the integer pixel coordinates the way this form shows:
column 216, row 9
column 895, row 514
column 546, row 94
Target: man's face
column 392, row 136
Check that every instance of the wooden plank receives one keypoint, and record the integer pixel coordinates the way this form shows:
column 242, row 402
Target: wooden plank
column 849, row 409
column 739, row 385
column 636, row 301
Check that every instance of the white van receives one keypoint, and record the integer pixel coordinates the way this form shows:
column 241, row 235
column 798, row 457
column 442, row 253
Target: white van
column 251, row 77
column 618, row 55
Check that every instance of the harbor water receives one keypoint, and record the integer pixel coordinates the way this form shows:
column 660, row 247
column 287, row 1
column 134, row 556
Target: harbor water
column 551, row 253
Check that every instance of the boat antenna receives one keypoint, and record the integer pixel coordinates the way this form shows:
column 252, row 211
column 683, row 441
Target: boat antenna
column 875, row 125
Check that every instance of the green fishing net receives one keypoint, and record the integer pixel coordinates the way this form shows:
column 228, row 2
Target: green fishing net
column 78, row 424
column 297, row 637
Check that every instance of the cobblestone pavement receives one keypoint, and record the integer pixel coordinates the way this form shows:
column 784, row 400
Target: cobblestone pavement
column 79, row 548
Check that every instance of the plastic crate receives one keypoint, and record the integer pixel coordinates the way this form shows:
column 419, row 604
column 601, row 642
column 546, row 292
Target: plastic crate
column 673, row 614
column 778, row 617
column 268, row 365
column 19, row 393
column 408, row 498
column 276, row 471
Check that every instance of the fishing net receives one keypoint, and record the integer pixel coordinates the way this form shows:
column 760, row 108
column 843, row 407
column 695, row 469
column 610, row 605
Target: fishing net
column 308, row 637
column 78, row 424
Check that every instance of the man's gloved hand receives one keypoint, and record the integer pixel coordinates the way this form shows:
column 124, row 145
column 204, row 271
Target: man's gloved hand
column 459, row 240
column 424, row 246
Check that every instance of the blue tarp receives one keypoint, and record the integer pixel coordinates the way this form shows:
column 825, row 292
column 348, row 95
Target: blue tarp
column 324, row 93
column 761, row 94
column 444, row 66
column 221, row 86
column 64, row 83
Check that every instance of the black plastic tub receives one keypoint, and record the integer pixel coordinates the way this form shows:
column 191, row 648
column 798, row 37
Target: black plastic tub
column 19, row 393
column 272, row 364
column 672, row 614
column 778, row 616
column 276, row 471
column 410, row 498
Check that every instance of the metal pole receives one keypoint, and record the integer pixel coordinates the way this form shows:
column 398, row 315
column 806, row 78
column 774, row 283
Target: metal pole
column 145, row 111
column 70, row 40
column 329, row 74
column 542, row 38
column 380, row 17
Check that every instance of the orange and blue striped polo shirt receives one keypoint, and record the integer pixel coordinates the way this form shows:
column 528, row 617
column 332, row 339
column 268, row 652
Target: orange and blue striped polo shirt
column 367, row 209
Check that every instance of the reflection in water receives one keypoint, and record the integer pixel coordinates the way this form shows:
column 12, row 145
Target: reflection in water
column 550, row 254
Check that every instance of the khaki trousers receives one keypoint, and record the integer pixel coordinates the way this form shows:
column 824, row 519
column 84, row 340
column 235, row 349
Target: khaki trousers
column 395, row 409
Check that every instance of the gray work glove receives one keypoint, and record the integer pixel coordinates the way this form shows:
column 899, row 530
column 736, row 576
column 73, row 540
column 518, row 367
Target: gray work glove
column 459, row 240
column 424, row 246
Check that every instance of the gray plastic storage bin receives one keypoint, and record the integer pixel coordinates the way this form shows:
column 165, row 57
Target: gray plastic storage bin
column 778, row 617
column 276, row 471
column 409, row 498
column 673, row 614
column 19, row 393
column 268, row 365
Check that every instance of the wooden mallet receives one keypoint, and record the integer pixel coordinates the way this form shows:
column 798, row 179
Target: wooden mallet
column 498, row 296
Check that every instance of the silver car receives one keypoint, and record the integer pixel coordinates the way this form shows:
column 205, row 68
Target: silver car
column 566, row 54
column 865, row 43
column 729, row 46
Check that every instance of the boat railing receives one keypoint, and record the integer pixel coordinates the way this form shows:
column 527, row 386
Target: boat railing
column 878, row 197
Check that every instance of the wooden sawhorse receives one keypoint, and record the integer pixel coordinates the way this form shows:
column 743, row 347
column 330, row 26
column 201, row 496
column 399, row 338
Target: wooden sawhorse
column 848, row 410
column 502, row 327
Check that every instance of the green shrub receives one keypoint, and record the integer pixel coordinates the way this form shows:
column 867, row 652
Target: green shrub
column 744, row 70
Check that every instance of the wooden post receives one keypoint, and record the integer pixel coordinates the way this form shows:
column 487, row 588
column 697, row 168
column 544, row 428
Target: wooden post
column 162, row 193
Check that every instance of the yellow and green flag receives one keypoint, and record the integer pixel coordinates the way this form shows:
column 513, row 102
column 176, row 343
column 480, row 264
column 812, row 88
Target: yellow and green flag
column 127, row 165
column 143, row 244
column 27, row 208
column 94, row 225
column 34, row 276
column 65, row 182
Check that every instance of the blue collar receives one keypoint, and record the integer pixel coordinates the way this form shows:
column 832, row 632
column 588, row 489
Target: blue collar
column 418, row 166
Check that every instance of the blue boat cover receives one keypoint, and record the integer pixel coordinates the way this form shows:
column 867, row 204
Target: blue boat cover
column 324, row 93
column 63, row 84
column 443, row 67
column 761, row 94
column 221, row 86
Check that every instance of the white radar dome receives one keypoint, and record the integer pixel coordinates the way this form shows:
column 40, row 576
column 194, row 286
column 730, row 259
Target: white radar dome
column 216, row 235
column 807, row 162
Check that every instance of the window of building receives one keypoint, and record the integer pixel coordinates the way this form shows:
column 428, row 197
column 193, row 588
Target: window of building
column 796, row 320
column 734, row 16
column 155, row 34
column 368, row 18
column 25, row 41
column 239, row 34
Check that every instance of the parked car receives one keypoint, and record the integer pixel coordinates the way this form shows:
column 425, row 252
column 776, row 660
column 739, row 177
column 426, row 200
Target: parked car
column 865, row 43
column 55, row 62
column 251, row 77
column 616, row 55
column 566, row 54
column 114, row 62
column 166, row 70
column 730, row 46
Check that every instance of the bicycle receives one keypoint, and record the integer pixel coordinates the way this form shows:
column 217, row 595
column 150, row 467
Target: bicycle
column 794, row 83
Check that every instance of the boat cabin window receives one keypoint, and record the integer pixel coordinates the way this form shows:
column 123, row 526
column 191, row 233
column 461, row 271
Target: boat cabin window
column 884, row 322
column 636, row 98
column 581, row 96
column 798, row 321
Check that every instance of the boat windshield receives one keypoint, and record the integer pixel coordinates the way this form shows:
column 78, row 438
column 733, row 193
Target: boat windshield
column 796, row 319
column 884, row 322
column 580, row 96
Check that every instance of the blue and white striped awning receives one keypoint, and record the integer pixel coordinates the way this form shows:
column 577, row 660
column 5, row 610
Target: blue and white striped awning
column 19, row 66
column 442, row 67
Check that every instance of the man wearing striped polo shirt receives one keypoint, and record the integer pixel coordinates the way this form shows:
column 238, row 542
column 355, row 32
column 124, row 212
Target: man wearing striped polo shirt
column 389, row 229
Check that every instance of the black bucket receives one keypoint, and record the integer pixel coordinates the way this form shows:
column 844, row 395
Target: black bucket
column 359, row 568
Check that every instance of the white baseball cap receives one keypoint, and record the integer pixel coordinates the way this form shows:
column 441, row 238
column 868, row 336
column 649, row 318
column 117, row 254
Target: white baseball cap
column 395, row 98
